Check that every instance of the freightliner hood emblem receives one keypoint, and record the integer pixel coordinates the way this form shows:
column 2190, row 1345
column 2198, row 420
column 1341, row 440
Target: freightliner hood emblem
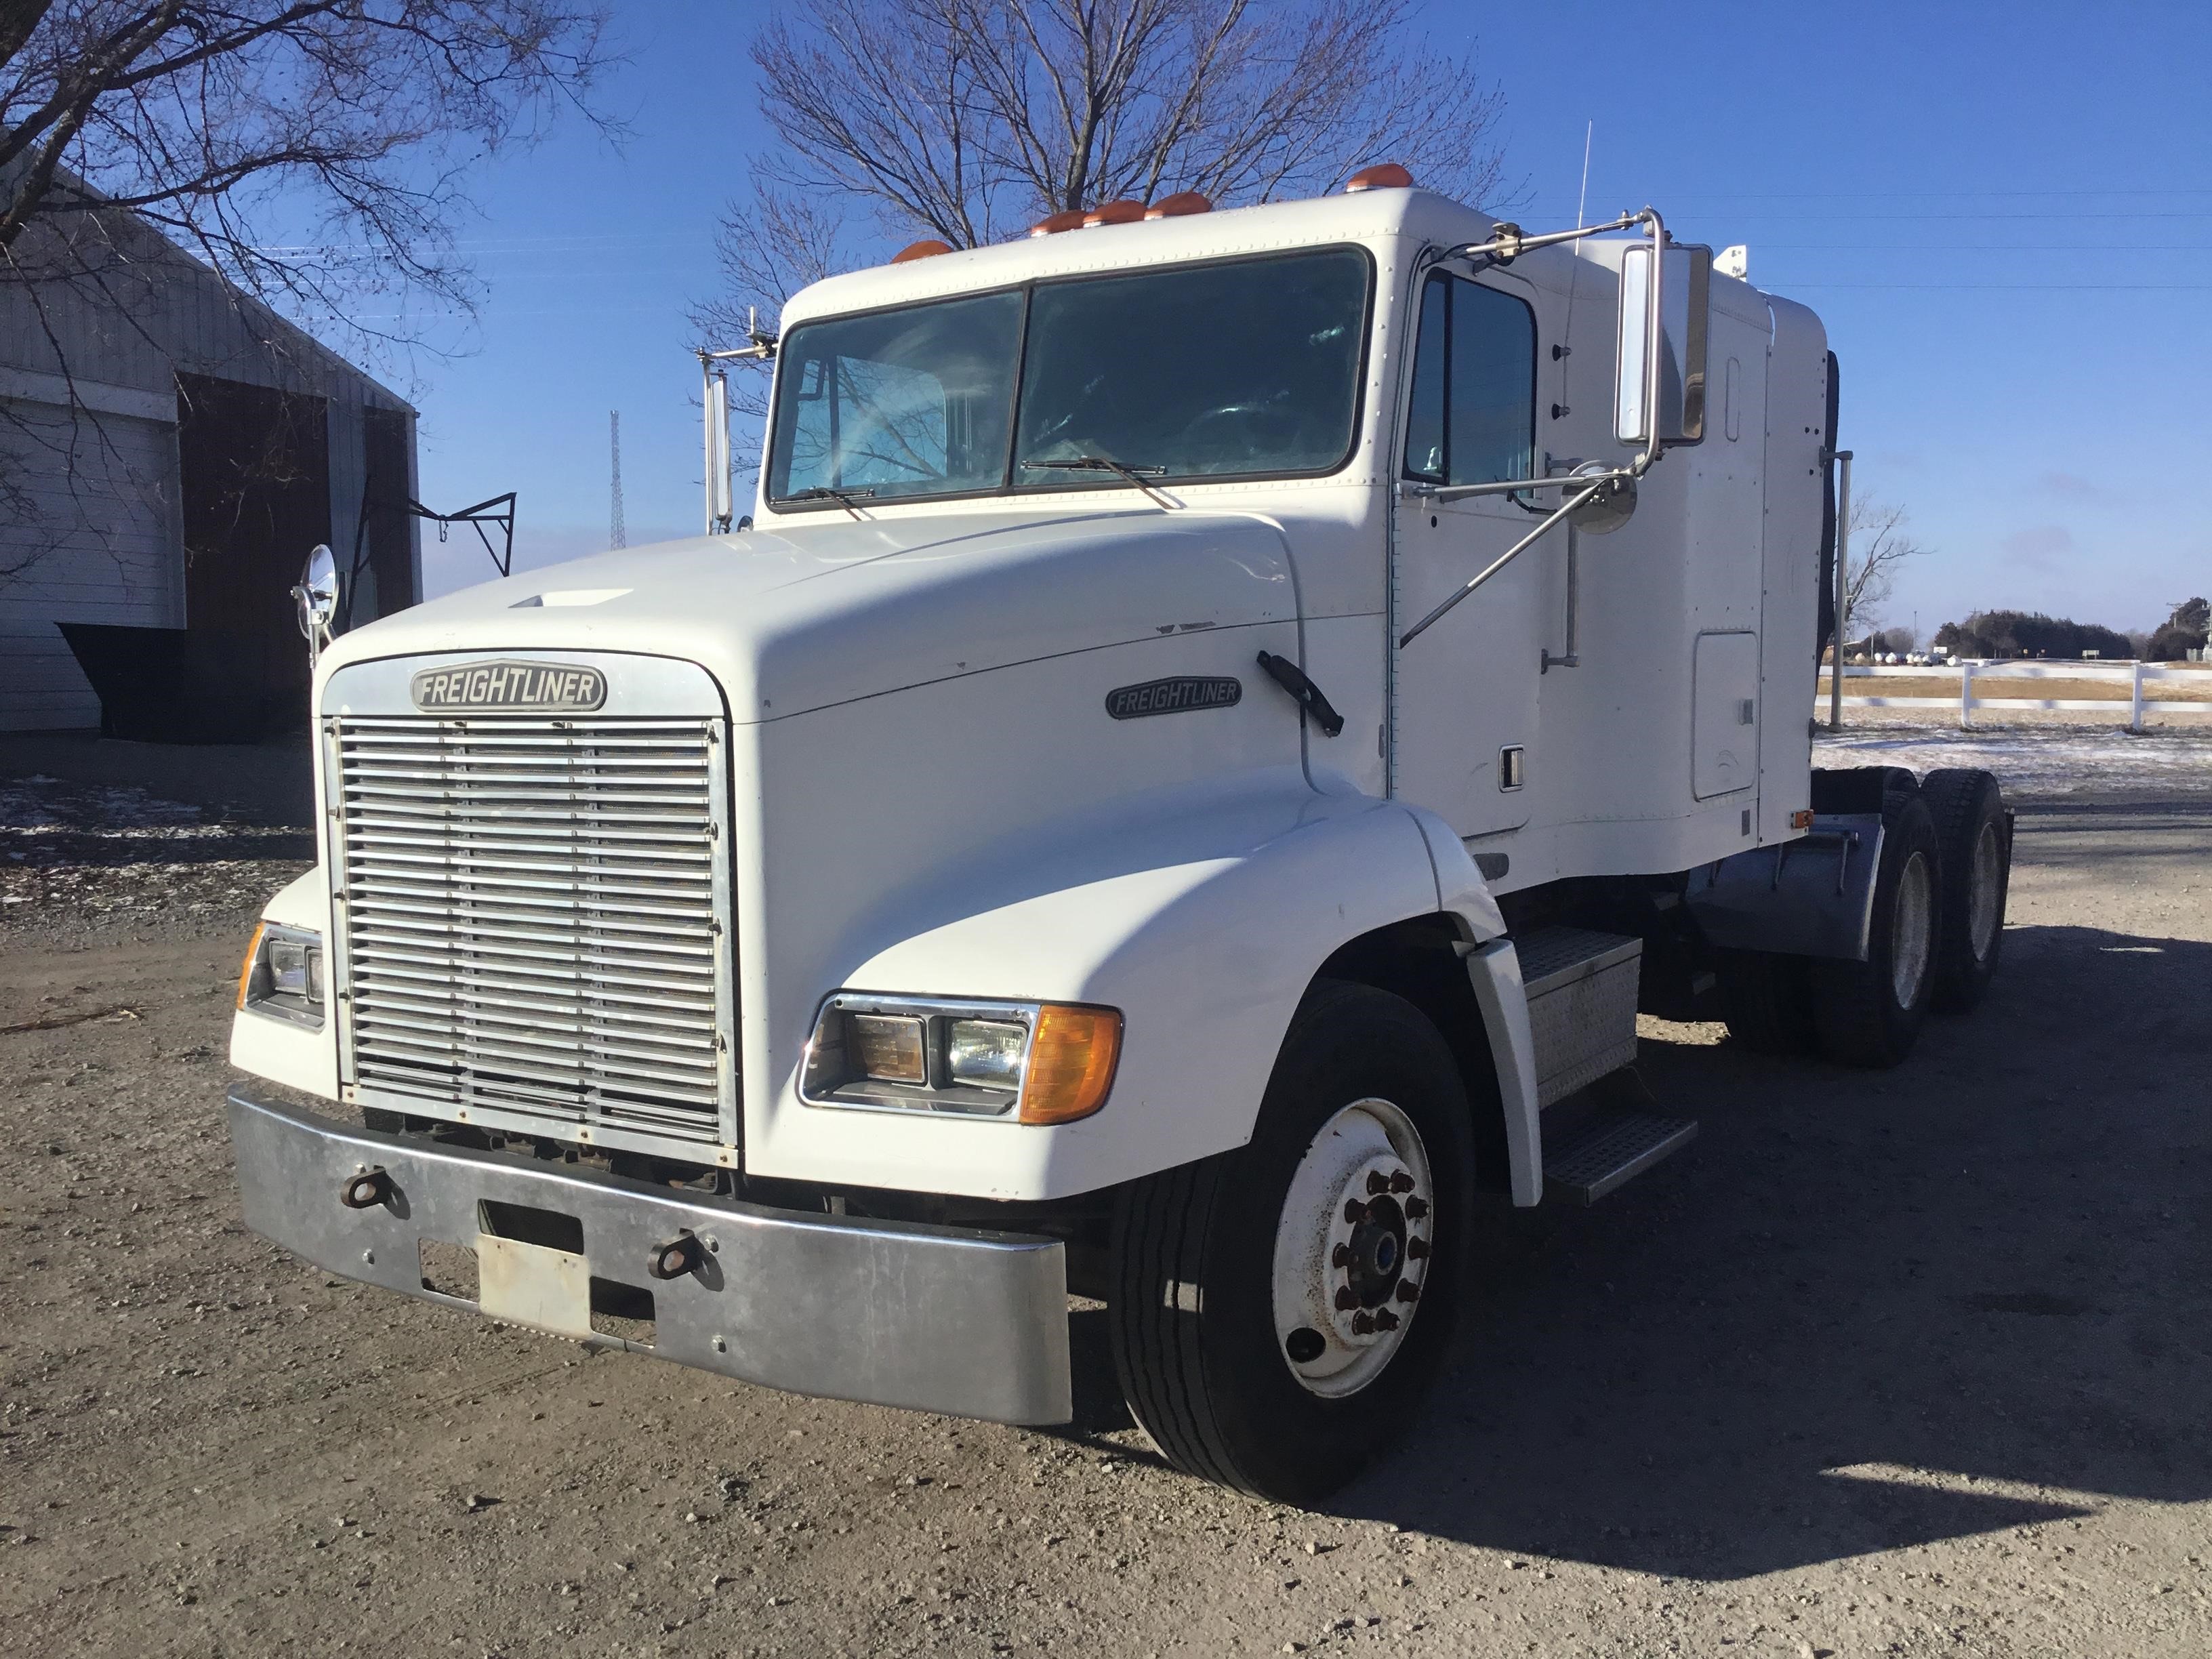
column 532, row 688
column 1173, row 696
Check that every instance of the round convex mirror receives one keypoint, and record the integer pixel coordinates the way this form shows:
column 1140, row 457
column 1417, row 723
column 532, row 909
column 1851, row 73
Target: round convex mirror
column 318, row 591
column 1608, row 510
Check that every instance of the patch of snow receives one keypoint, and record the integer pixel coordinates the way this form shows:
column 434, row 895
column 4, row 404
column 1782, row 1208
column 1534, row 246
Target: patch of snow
column 2038, row 761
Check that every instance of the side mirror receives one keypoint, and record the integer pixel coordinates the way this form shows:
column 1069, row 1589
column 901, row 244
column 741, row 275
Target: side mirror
column 316, row 598
column 1678, row 353
column 718, row 453
column 1610, row 508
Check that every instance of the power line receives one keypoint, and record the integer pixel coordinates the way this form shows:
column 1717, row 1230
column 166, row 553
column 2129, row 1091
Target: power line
column 1980, row 247
column 2019, row 287
column 1921, row 195
column 1904, row 218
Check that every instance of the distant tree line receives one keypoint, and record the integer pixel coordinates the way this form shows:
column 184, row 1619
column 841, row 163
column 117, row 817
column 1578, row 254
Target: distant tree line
column 2184, row 631
column 2031, row 633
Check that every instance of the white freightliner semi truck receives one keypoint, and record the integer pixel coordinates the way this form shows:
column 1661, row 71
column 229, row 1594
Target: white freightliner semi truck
column 1214, row 726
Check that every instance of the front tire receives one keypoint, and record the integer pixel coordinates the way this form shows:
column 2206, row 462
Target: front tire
column 1278, row 1311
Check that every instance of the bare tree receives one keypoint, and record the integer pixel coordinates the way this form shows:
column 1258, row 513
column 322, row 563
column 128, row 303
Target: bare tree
column 221, row 121
column 311, row 153
column 1880, row 547
column 966, row 120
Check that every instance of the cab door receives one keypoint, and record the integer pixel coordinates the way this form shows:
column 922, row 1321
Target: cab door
column 1464, row 703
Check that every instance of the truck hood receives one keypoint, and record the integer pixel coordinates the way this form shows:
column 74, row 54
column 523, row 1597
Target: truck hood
column 793, row 619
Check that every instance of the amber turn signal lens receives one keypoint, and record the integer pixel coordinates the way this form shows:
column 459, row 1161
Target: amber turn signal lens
column 1072, row 1059
column 1802, row 818
column 253, row 956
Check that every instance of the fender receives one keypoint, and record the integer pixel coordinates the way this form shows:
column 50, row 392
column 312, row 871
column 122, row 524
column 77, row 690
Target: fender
column 1201, row 912
column 276, row 1048
column 1493, row 967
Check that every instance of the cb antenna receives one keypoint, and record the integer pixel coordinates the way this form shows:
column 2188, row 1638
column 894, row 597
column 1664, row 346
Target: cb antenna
column 1575, row 271
column 1581, row 202
column 616, row 535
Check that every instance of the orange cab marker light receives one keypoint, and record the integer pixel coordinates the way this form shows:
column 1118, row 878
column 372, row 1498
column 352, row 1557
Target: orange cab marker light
column 1072, row 1061
column 926, row 249
column 1052, row 224
column 1802, row 818
column 1123, row 212
column 1384, row 175
column 246, row 968
column 1174, row 206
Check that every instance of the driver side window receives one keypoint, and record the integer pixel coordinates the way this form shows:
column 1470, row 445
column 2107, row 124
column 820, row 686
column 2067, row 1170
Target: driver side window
column 1474, row 413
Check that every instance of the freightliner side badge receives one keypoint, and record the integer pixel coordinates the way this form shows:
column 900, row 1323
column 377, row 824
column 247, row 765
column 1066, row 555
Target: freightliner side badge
column 1173, row 696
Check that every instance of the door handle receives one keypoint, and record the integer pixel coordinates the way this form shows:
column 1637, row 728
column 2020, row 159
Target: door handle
column 1308, row 696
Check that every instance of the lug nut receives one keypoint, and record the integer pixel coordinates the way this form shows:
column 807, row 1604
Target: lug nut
column 1362, row 1325
column 1417, row 1249
column 1340, row 1256
column 1416, row 1208
column 365, row 1190
column 1354, row 1211
column 1386, row 1321
column 1402, row 1183
column 1347, row 1298
column 1408, row 1291
column 1377, row 1182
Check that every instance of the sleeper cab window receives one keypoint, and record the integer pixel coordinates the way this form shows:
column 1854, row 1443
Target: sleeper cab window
column 1473, row 415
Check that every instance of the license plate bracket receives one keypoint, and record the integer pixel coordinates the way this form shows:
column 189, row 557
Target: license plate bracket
column 533, row 1285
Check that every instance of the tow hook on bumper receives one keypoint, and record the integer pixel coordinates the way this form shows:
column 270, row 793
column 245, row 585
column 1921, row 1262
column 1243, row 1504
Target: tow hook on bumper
column 940, row 1319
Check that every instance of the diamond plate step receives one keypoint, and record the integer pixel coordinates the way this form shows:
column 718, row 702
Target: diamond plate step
column 1612, row 1149
column 1582, row 1005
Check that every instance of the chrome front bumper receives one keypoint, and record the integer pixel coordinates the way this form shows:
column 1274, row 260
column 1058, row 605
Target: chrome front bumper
column 939, row 1319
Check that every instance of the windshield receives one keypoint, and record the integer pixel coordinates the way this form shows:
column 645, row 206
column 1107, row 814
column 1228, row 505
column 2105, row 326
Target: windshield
column 1244, row 368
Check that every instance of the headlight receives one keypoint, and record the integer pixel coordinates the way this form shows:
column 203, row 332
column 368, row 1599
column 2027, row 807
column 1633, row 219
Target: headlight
column 282, row 974
column 987, row 1053
column 1030, row 1063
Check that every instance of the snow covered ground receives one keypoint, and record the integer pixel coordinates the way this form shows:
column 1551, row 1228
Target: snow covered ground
column 2038, row 760
column 76, row 855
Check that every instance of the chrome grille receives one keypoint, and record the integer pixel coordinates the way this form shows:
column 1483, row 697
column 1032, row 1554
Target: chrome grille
column 536, row 924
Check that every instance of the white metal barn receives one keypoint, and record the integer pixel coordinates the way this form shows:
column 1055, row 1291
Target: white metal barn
column 169, row 451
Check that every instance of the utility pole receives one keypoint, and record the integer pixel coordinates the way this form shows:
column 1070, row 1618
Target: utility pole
column 616, row 535
column 1843, row 587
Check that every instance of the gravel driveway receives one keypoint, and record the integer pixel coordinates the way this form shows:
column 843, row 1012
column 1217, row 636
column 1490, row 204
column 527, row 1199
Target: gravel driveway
column 1916, row 1363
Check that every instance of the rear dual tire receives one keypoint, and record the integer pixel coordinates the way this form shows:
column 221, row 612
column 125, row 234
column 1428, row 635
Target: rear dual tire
column 1975, row 836
column 1869, row 1013
column 1934, row 935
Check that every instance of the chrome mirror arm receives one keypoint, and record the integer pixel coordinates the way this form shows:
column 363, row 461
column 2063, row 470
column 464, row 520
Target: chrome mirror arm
column 1511, row 554
column 1446, row 494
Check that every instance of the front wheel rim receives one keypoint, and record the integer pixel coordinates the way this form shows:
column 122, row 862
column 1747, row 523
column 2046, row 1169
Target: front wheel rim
column 1912, row 932
column 1352, row 1248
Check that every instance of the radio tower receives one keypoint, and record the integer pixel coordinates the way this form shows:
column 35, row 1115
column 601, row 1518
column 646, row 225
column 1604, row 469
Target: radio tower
column 615, row 536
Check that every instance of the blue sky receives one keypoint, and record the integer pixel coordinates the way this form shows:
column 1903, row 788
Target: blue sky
column 2004, row 213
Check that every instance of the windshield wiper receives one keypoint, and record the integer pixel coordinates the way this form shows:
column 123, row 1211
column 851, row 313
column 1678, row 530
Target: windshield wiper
column 844, row 498
column 1134, row 475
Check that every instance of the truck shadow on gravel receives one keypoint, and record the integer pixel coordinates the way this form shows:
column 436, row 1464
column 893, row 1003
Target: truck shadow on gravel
column 1865, row 1310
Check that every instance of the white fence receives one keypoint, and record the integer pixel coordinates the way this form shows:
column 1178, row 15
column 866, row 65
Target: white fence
column 2134, row 675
